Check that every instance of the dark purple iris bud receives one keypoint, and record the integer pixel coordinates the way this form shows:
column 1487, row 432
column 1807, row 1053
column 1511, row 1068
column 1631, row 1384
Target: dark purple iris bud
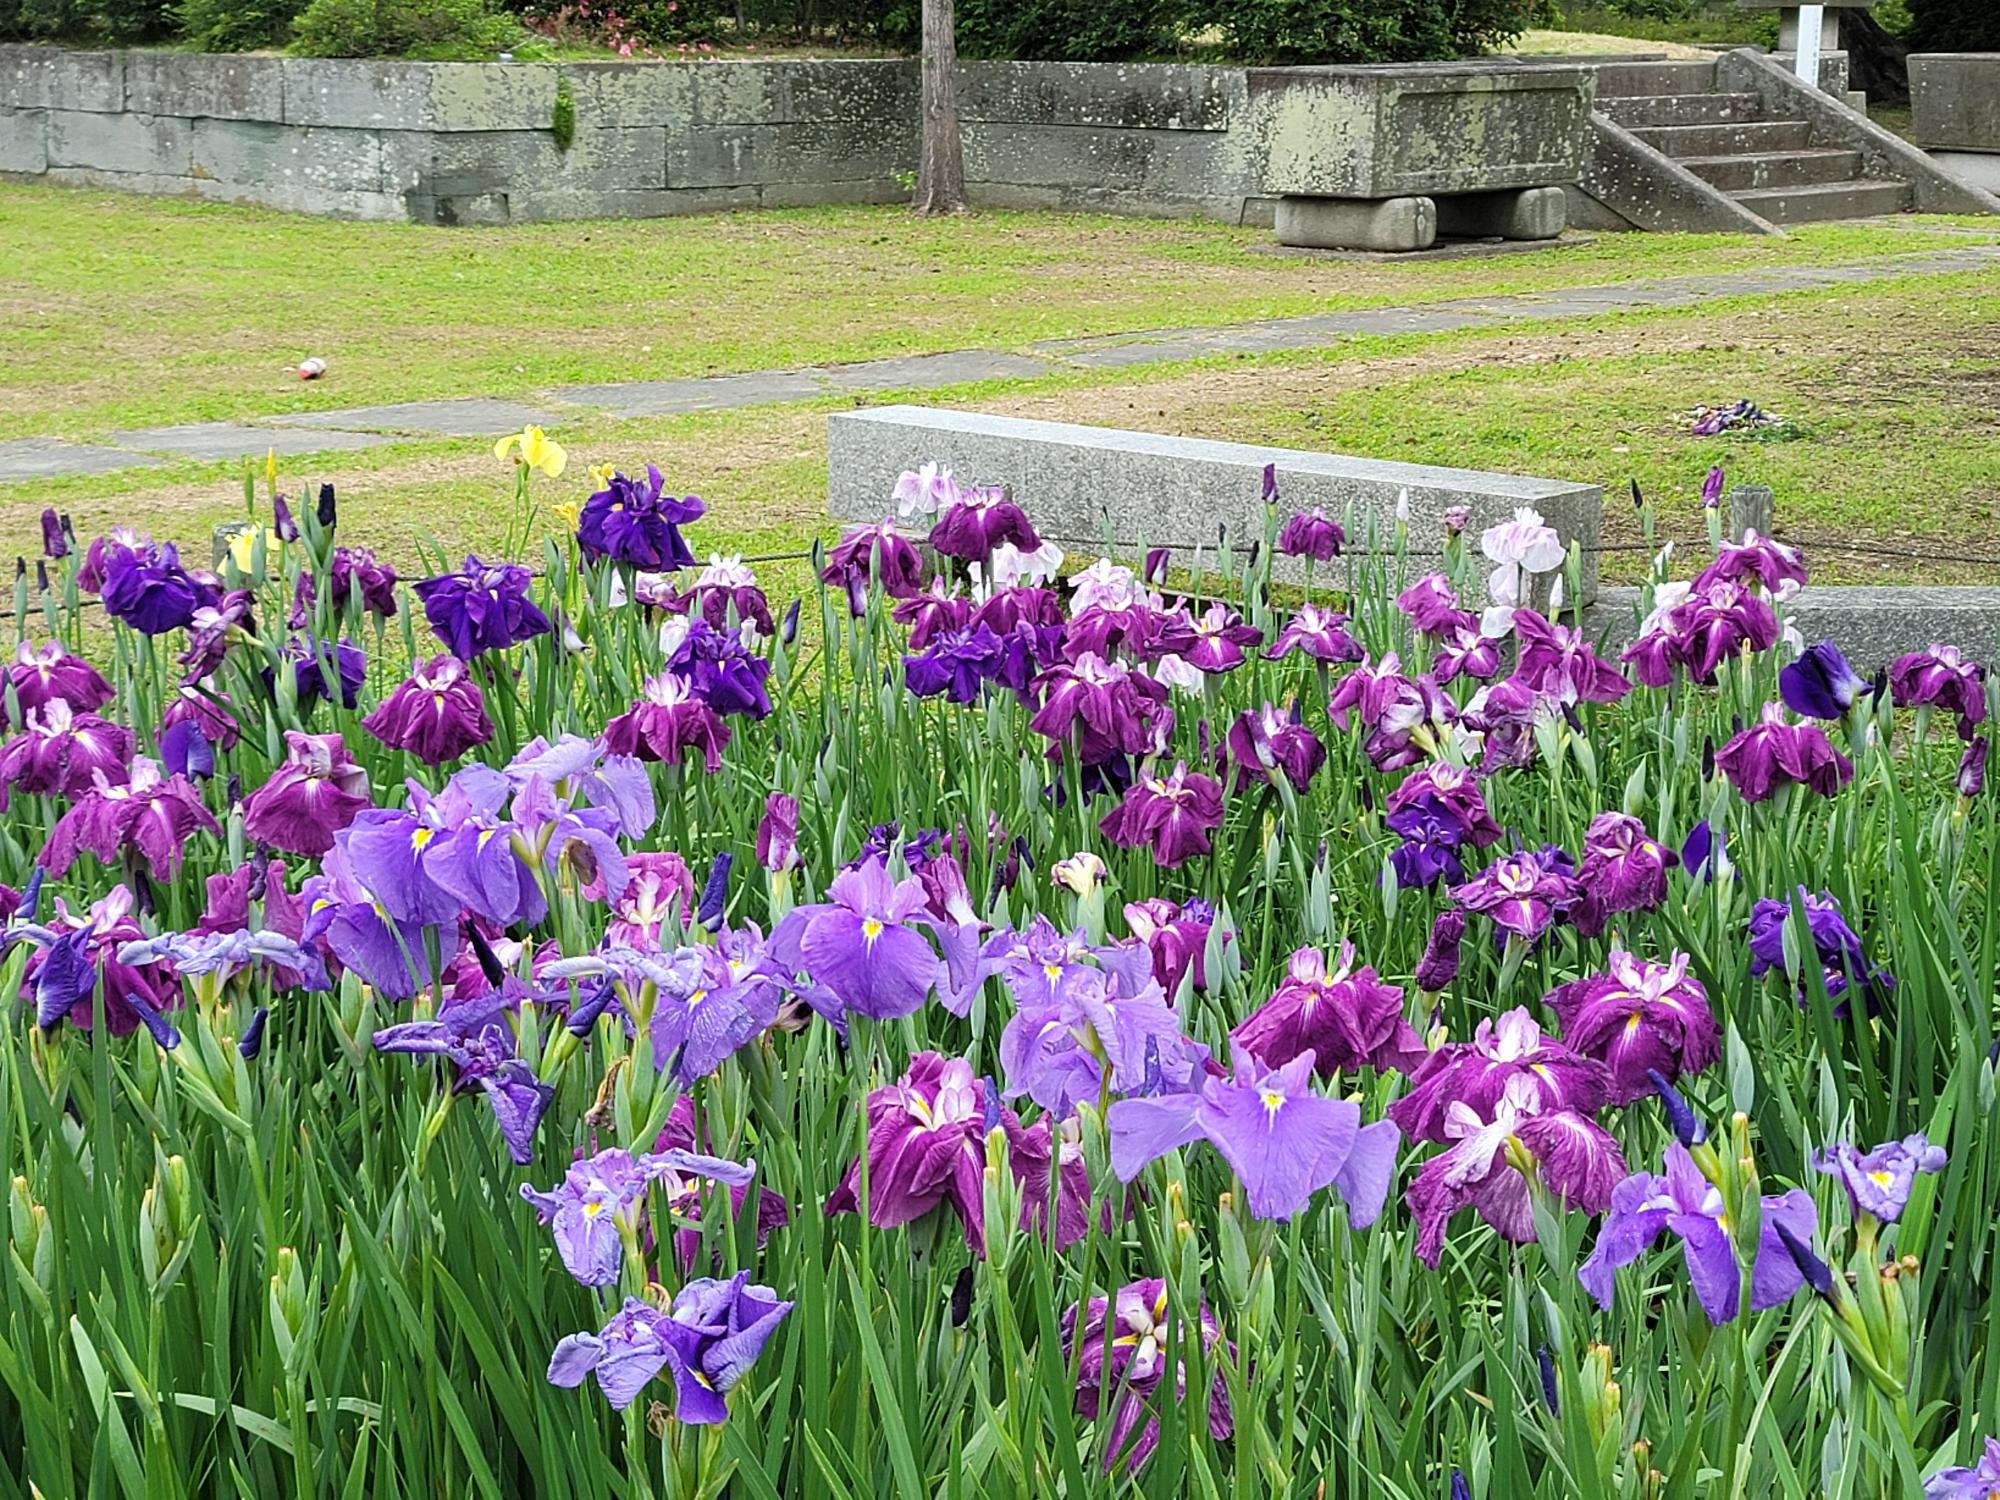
column 1158, row 561
column 149, row 590
column 251, row 1043
column 1269, row 739
column 28, row 906
column 635, row 522
column 1708, row 757
column 1638, row 499
column 1820, row 684
column 1460, row 1489
column 1550, row 1398
column 975, row 526
column 185, row 750
column 1816, row 1273
column 715, row 892
column 1687, row 1129
column 1439, row 965
column 41, row 575
column 329, row 511
column 1312, row 534
column 1711, row 488
column 1345, row 1016
column 1773, row 753
column 161, row 1029
column 481, row 608
column 1972, row 768
column 489, row 962
column 788, row 628
column 867, row 551
column 1270, row 483
column 1941, row 677
column 54, row 543
column 281, row 519
column 437, row 714
column 1173, row 815
column 778, row 833
column 591, row 1003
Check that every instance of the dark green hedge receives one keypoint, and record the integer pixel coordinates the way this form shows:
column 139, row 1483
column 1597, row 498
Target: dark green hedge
column 1954, row 26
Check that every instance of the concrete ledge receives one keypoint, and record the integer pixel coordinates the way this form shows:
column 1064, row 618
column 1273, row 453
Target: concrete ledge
column 1091, row 482
column 1955, row 100
column 1872, row 625
column 1980, row 169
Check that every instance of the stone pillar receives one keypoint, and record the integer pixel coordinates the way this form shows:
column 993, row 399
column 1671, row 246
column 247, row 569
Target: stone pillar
column 1751, row 507
column 1539, row 213
column 1832, row 61
column 1357, row 223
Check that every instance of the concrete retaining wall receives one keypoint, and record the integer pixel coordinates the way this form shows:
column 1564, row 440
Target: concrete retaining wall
column 473, row 143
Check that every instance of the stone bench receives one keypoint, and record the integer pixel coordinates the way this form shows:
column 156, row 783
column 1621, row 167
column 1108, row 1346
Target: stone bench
column 1088, row 484
column 1955, row 113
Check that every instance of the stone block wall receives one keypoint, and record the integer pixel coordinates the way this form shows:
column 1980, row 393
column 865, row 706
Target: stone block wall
column 473, row 143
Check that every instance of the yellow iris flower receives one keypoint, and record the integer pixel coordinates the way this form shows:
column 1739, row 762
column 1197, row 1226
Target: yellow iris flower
column 243, row 546
column 570, row 513
column 537, row 450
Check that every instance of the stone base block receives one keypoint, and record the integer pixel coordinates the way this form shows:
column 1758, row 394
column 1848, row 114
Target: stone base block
column 1516, row 214
column 1980, row 168
column 1357, row 223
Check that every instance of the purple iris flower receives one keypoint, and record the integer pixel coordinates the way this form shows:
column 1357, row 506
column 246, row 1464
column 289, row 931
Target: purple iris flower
column 1313, row 534
column 1878, row 1182
column 355, row 568
column 1466, row 652
column 980, row 521
column 1644, row 1206
column 1482, row 1167
column 1221, row 639
column 54, row 543
column 1269, row 739
column 1820, row 684
column 721, row 669
column 1624, row 870
column 778, row 833
column 1283, row 1141
column 1772, row 753
column 1558, row 660
column 861, row 943
column 1642, row 1020
column 484, row 607
column 437, row 714
column 633, row 521
column 1406, row 719
column 1175, row 935
column 1710, row 625
column 226, row 955
column 1478, row 1073
column 1346, row 1017
column 60, row 752
column 1074, row 1020
column 1110, row 709
column 1433, row 607
column 1978, row 1482
column 154, row 814
column 1173, row 815
column 708, row 1340
column 938, row 609
column 1942, row 677
column 1972, row 768
column 1120, row 1349
column 218, row 626
column 1439, row 965
column 1321, row 633
column 474, row 1037
column 957, row 663
column 309, row 659
column 870, row 551
column 103, row 552
column 1525, row 893
column 149, row 590
column 40, row 677
column 75, row 967
column 1837, row 947
column 1430, row 841
column 1759, row 560
column 668, row 723
column 1450, row 791
column 926, row 1147
column 726, row 586
column 600, row 1198
column 1048, row 1162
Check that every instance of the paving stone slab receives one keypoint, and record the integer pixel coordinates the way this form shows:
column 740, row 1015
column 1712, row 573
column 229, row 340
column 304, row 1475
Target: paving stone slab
column 929, row 371
column 234, row 440
column 469, row 416
column 45, row 458
column 666, row 398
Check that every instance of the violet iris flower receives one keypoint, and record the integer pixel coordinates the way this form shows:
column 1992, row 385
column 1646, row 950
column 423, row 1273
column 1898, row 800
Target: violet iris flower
column 223, row 956
column 1478, row 1073
column 386, row 952
column 483, row 607
column 61, row 752
column 585, row 772
column 1407, row 719
column 1525, row 893
column 707, row 1340
column 1120, row 1351
column 862, row 944
column 149, row 590
column 1312, row 534
column 309, row 659
column 218, row 626
column 633, row 521
column 1759, row 560
column 474, row 1037
column 1484, row 1168
column 1451, row 791
column 1067, row 1032
column 1466, row 652
column 1430, row 838
column 1173, row 815
column 1820, row 684
column 870, row 551
column 1639, row 1019
column 1283, row 1141
column 40, row 677
column 719, row 666
column 1644, row 1206
column 151, row 813
column 979, row 521
column 1346, row 1017
column 941, row 607
column 1978, row 1482
column 1432, row 606
column 1269, row 739
column 75, row 966
column 1221, row 639
column 1837, row 949
column 958, row 663
column 668, row 723
column 599, row 1200
column 1942, row 677
column 1772, row 753
column 1320, row 633
column 437, row 714
column 1624, row 870
column 1558, row 660
column 1878, row 1182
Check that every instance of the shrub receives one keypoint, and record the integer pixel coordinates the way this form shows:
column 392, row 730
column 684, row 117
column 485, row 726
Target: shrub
column 85, row 20
column 1359, row 31
column 1954, row 26
column 433, row 29
column 237, row 25
column 1653, row 10
column 1043, row 30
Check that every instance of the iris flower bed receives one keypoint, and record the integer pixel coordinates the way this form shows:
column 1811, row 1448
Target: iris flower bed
column 563, row 1026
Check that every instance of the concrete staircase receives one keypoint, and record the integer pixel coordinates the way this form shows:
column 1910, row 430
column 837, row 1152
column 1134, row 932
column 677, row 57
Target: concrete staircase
column 1772, row 166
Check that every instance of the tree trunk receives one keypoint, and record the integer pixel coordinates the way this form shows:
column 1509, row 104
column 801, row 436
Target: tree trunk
column 1876, row 61
column 941, row 162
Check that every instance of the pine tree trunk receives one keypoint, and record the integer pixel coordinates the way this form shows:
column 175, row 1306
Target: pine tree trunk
column 941, row 162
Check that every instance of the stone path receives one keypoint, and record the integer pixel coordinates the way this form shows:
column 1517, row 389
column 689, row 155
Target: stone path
column 479, row 416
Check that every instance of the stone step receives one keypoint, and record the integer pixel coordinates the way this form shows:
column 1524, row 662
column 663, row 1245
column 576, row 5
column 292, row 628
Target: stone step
column 1856, row 199
column 1727, row 140
column 1622, row 80
column 1774, row 169
column 1682, row 109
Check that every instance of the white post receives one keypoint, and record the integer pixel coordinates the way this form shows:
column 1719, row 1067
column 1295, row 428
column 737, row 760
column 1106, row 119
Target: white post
column 1806, row 65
